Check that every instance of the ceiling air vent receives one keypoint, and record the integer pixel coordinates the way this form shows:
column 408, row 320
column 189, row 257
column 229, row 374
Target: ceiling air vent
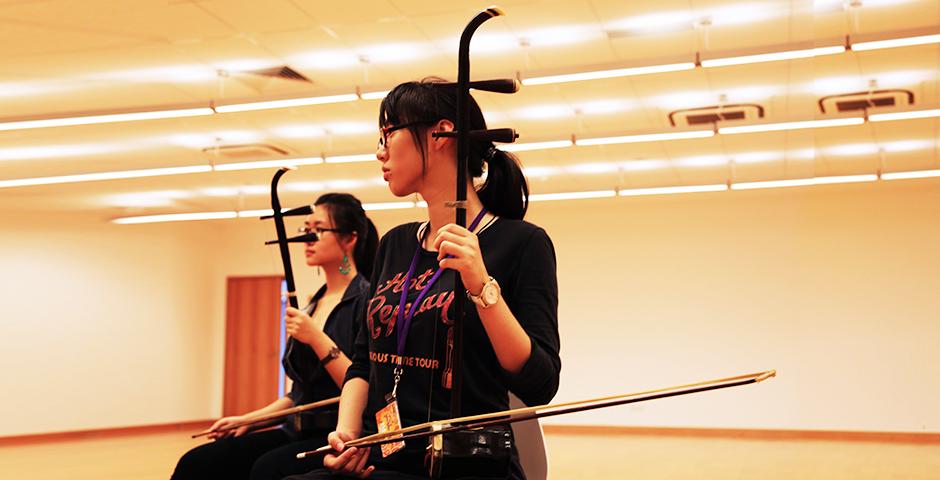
column 853, row 102
column 247, row 151
column 283, row 72
column 691, row 117
column 261, row 79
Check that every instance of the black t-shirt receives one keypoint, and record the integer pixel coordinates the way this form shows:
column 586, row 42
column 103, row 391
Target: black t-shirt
column 521, row 257
column 311, row 381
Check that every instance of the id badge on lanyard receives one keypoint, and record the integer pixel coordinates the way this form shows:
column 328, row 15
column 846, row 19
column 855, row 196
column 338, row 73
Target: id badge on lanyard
column 388, row 419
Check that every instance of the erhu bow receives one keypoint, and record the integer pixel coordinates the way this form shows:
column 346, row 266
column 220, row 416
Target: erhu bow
column 439, row 427
column 272, row 416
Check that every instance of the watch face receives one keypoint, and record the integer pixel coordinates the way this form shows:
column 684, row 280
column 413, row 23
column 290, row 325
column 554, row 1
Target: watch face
column 490, row 293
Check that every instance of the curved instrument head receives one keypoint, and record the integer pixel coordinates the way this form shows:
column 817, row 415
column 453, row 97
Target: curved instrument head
column 494, row 11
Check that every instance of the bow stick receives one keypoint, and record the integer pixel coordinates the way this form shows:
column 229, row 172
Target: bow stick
column 439, row 427
column 463, row 135
column 273, row 415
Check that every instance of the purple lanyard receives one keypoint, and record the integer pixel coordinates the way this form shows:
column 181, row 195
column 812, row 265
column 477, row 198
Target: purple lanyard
column 404, row 321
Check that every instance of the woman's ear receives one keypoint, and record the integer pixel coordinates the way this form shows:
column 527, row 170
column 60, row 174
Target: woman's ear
column 349, row 242
column 442, row 126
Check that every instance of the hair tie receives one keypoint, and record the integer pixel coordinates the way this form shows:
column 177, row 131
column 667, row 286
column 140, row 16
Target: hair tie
column 490, row 153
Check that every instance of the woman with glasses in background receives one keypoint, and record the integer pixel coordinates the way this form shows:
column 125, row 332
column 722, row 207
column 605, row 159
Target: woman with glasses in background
column 342, row 243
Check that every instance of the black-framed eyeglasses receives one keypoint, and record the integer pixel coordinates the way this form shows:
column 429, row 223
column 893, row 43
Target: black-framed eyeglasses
column 317, row 231
column 388, row 129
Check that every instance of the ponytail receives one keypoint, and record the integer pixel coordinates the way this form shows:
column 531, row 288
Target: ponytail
column 506, row 191
column 366, row 247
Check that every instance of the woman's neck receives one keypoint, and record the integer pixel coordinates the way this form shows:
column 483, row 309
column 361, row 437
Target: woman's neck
column 336, row 281
column 440, row 214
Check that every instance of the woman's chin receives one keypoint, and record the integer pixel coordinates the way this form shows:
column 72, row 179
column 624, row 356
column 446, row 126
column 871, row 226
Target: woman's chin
column 400, row 191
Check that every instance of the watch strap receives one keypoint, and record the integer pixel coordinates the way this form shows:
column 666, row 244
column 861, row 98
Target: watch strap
column 333, row 354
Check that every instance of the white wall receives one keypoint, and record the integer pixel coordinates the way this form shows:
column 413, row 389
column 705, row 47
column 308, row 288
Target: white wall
column 834, row 286
column 103, row 325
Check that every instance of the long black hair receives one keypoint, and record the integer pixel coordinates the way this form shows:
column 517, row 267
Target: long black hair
column 348, row 216
column 505, row 192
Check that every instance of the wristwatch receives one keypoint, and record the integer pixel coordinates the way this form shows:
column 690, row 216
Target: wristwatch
column 489, row 295
column 333, row 354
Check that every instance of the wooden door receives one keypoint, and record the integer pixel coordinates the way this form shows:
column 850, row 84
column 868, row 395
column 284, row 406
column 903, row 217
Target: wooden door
column 252, row 343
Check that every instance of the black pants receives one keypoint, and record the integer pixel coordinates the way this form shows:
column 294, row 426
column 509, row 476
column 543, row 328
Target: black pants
column 417, row 470
column 266, row 455
column 324, row 474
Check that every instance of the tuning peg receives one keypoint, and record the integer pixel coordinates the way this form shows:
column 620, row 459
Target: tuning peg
column 499, row 135
column 500, row 85
column 304, row 210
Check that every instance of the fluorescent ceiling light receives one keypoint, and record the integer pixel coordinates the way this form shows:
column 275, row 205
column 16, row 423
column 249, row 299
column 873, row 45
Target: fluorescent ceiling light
column 364, row 157
column 913, row 174
column 522, row 147
column 620, row 72
column 373, row 95
column 884, row 117
column 896, row 42
column 667, row 190
column 110, row 118
column 91, row 177
column 291, row 162
column 539, row 197
column 652, row 137
column 773, row 184
column 387, row 205
column 773, row 57
column 256, row 213
column 286, row 103
column 175, row 217
column 846, row 179
column 773, row 127
column 805, row 181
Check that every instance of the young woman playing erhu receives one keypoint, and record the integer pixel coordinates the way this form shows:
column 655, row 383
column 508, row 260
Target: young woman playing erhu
column 507, row 265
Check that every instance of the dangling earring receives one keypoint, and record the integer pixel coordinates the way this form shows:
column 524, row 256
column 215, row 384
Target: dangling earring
column 345, row 267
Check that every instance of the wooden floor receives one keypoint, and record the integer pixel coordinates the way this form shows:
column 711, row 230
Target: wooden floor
column 572, row 456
